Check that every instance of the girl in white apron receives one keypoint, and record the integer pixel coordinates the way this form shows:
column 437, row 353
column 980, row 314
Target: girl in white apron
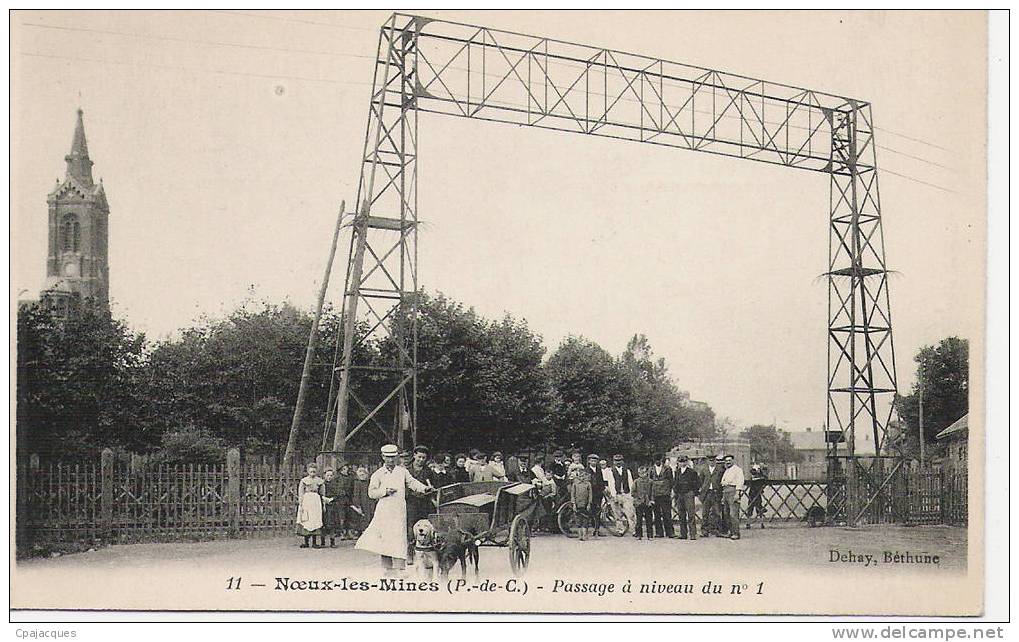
column 309, row 507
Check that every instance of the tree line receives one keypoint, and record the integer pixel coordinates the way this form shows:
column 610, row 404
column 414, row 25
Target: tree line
column 89, row 382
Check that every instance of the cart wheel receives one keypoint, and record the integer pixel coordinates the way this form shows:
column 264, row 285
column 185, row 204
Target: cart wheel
column 567, row 520
column 519, row 545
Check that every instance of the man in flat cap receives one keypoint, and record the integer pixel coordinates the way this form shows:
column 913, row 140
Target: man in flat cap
column 620, row 491
column 686, row 485
column 598, row 485
column 386, row 535
column 733, row 482
column 711, row 497
column 419, row 505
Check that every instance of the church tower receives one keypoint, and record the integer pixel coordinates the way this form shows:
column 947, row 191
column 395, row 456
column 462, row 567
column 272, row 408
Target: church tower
column 77, row 266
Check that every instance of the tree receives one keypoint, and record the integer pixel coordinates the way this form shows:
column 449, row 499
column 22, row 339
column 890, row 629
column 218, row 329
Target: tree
column 657, row 411
column 767, row 443
column 943, row 370
column 591, row 396
column 480, row 383
column 190, row 445
column 236, row 378
column 79, row 383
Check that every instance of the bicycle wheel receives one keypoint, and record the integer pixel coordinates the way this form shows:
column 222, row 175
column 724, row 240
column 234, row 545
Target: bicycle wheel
column 609, row 521
column 567, row 520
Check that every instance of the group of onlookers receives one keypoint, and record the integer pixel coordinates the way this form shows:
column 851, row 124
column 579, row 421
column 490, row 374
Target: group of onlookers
column 647, row 504
column 335, row 505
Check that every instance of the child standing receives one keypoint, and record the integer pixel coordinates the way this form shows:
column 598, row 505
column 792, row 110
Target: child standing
column 581, row 499
column 309, row 508
column 643, row 501
column 345, row 490
column 336, row 500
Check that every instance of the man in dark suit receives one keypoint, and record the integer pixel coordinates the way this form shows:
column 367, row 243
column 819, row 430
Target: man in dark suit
column 661, row 489
column 557, row 470
column 597, row 491
column 419, row 505
column 711, row 497
column 524, row 473
column 687, row 485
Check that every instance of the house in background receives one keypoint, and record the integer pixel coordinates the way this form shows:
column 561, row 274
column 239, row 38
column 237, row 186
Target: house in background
column 955, row 439
column 810, row 447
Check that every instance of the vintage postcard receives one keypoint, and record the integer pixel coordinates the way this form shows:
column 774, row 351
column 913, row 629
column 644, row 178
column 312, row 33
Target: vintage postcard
column 499, row 312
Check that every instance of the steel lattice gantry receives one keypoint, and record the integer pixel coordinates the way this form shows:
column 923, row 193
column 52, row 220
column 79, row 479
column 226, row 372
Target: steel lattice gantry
column 440, row 67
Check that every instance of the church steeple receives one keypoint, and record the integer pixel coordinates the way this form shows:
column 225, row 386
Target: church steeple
column 77, row 264
column 79, row 165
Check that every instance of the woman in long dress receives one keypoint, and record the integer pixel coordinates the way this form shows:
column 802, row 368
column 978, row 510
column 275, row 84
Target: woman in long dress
column 386, row 535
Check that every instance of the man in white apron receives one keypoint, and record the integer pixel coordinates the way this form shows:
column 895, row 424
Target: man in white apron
column 387, row 533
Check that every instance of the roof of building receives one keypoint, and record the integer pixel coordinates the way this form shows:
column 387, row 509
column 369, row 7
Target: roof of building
column 57, row 284
column 957, row 430
column 808, row 440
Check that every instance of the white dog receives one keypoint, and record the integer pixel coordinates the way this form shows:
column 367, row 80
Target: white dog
column 425, row 548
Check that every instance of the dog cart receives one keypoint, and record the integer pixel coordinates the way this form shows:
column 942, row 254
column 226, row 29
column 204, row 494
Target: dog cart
column 493, row 513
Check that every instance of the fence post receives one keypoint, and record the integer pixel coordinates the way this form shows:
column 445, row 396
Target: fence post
column 21, row 510
column 106, row 502
column 943, row 497
column 233, row 491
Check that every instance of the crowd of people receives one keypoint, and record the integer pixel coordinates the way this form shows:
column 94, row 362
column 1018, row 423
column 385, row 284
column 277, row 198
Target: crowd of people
column 647, row 500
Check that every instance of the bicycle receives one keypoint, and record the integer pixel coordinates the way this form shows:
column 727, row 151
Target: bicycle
column 566, row 518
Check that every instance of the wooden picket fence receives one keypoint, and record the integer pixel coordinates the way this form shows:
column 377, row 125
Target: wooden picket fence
column 132, row 501
column 119, row 501
column 937, row 496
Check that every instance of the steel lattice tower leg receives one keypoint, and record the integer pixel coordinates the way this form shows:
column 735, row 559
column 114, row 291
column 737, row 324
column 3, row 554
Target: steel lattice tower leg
column 382, row 283
column 861, row 358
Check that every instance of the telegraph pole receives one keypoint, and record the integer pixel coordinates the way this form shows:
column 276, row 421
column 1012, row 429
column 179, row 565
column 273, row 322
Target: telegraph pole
column 312, row 344
column 921, row 414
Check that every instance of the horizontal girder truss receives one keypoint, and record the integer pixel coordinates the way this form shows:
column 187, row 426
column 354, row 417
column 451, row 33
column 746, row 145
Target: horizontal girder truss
column 489, row 74
column 434, row 66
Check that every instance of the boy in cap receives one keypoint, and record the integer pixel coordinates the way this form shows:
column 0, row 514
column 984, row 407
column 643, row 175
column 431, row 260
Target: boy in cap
column 686, row 485
column 643, row 501
column 581, row 500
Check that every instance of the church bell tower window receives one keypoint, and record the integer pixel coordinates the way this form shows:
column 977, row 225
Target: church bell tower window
column 72, row 233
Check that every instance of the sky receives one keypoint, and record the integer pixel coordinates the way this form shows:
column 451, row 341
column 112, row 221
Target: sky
column 227, row 139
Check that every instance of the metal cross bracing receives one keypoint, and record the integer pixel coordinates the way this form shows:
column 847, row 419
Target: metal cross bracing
column 448, row 68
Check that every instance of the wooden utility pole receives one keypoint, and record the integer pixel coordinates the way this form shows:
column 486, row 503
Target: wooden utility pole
column 312, row 345
column 921, row 416
column 355, row 270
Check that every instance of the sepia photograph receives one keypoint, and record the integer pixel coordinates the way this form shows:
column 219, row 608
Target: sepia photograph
column 439, row 312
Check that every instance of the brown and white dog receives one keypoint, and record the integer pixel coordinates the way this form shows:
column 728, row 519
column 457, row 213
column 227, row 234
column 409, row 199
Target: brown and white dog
column 426, row 547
